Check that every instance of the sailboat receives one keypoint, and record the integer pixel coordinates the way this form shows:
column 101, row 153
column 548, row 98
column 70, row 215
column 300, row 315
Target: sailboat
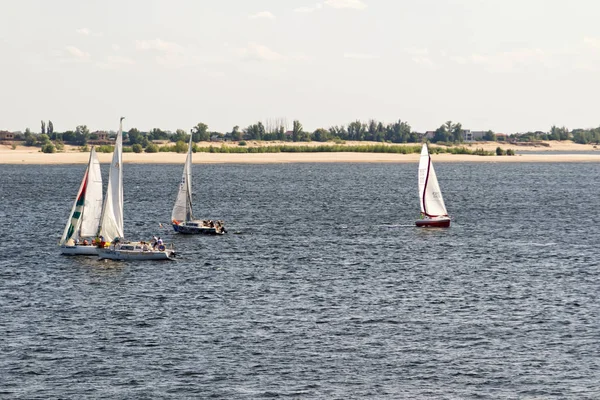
column 433, row 209
column 182, row 216
column 80, row 231
column 110, row 231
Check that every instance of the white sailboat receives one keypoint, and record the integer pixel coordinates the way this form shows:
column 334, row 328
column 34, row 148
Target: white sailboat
column 182, row 217
column 433, row 209
column 82, row 225
column 110, row 231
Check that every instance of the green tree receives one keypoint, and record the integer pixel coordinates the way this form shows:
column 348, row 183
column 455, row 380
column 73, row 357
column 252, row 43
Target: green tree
column 296, row 131
column 48, row 148
column 260, row 130
column 43, row 139
column 137, row 148
column 180, row 134
column 43, row 127
column 29, row 138
column 200, row 133
column 151, row 148
column 457, row 133
column 181, row 147
column 236, row 134
column 554, row 133
column 68, row 136
column 82, row 134
column 356, row 130
column 489, row 136
column 321, row 135
column 157, row 134
column 50, row 128
column 441, row 135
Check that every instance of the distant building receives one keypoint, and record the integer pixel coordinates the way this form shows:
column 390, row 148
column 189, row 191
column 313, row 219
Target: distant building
column 473, row 136
column 6, row 135
column 429, row 134
column 102, row 138
column 101, row 135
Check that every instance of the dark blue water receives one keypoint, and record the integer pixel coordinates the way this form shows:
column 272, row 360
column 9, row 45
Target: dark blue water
column 558, row 152
column 322, row 289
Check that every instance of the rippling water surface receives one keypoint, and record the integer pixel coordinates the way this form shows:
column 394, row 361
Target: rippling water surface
column 322, row 288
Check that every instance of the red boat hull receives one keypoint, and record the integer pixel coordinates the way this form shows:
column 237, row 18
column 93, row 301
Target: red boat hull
column 433, row 223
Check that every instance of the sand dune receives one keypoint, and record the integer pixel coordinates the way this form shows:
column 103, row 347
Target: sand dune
column 72, row 155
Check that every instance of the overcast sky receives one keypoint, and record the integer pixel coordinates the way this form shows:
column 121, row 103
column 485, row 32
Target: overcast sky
column 505, row 65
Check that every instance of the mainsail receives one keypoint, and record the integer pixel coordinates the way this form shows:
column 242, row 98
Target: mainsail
column 182, row 210
column 85, row 213
column 111, row 223
column 430, row 195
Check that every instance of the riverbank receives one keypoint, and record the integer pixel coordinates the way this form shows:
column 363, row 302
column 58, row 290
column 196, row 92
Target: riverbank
column 73, row 155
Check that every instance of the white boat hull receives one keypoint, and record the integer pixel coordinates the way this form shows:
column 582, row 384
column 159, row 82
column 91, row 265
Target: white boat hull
column 136, row 251
column 125, row 255
column 79, row 250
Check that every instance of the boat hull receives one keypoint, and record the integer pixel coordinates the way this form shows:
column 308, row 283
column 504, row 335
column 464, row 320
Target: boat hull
column 198, row 230
column 433, row 223
column 126, row 255
column 79, row 250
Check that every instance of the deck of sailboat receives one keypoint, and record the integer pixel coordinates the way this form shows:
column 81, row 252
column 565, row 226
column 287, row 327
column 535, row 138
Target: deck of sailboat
column 200, row 227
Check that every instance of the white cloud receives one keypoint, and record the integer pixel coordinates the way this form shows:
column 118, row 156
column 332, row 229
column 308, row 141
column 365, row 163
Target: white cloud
column 360, row 56
column 116, row 47
column 77, row 54
column 167, row 54
column 459, row 60
column 115, row 62
column 84, row 31
column 259, row 52
column 316, row 7
column 417, row 51
column 423, row 61
column 354, row 4
column 592, row 42
column 508, row 60
column 159, row 45
column 262, row 14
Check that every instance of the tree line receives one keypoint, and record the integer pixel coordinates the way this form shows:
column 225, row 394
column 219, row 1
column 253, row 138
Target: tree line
column 372, row 130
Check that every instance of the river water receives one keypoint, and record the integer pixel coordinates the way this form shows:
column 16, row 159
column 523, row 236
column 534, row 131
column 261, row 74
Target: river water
column 323, row 287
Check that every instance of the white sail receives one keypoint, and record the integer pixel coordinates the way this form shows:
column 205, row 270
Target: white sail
column 93, row 198
column 111, row 223
column 182, row 210
column 430, row 195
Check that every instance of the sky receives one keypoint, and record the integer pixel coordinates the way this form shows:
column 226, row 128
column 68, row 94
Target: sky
column 505, row 65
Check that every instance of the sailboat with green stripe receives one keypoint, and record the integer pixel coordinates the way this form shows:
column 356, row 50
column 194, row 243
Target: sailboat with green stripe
column 82, row 225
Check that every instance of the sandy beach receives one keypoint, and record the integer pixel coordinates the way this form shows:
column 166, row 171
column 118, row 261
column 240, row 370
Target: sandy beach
column 72, row 155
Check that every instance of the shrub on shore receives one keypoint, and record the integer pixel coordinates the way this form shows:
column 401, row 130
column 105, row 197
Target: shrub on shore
column 48, row 148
